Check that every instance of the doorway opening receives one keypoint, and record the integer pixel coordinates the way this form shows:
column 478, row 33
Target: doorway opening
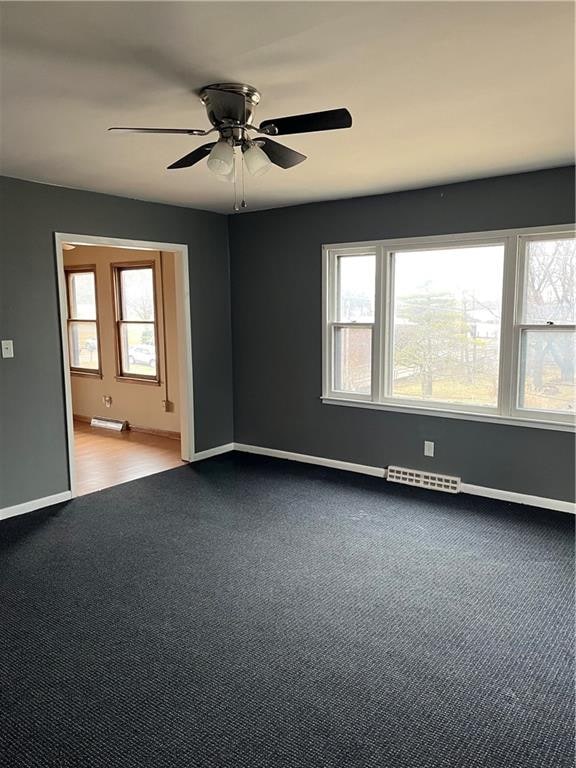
column 126, row 340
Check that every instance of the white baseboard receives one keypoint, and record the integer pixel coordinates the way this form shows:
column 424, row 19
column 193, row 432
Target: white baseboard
column 519, row 498
column 475, row 490
column 30, row 506
column 362, row 469
column 213, row 452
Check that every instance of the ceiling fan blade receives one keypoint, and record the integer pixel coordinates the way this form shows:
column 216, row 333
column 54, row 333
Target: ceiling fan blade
column 279, row 154
column 329, row 120
column 192, row 158
column 187, row 131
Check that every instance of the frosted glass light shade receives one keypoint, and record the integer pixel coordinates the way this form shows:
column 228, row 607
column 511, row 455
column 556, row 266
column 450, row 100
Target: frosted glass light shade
column 225, row 177
column 257, row 161
column 221, row 159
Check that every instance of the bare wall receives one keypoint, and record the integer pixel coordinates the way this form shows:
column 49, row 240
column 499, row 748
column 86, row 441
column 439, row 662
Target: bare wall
column 32, row 419
column 277, row 334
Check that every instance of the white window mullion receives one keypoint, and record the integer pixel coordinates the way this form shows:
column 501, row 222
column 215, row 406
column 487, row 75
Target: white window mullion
column 388, row 314
column 507, row 373
column 516, row 336
column 378, row 331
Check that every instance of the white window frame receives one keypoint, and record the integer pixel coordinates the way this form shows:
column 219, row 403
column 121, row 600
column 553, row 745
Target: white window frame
column 520, row 326
column 506, row 410
column 333, row 323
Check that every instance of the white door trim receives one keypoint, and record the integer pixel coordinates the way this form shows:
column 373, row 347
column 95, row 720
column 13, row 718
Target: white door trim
column 184, row 341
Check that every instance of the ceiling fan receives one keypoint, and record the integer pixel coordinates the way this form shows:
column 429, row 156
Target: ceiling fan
column 230, row 108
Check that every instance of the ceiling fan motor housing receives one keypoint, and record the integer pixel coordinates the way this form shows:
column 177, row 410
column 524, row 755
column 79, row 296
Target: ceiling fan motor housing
column 230, row 107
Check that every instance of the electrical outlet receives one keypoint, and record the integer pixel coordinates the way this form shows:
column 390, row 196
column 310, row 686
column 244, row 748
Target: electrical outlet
column 167, row 405
column 107, row 400
column 7, row 348
column 428, row 448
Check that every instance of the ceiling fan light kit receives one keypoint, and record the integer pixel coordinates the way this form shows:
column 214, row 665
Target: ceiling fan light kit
column 221, row 158
column 256, row 160
column 228, row 178
column 230, row 109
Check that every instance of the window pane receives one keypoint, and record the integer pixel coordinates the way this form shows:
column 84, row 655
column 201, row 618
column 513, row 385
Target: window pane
column 353, row 360
column 447, row 307
column 138, row 349
column 550, row 281
column 82, row 289
column 547, row 371
column 356, row 288
column 137, row 291
column 83, row 343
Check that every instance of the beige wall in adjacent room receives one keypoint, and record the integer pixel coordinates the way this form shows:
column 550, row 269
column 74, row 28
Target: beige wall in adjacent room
column 139, row 403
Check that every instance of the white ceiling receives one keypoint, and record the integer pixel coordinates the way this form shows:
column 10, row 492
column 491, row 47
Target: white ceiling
column 439, row 92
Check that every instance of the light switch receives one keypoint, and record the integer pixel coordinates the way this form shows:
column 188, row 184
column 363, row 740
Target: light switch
column 7, row 348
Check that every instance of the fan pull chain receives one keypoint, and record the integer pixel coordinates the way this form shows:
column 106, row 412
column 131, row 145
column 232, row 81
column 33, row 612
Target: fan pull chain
column 243, row 204
column 236, row 206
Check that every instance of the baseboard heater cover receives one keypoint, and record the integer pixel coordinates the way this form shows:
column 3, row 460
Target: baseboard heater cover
column 405, row 476
column 118, row 425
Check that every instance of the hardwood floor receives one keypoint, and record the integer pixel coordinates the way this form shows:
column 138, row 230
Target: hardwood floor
column 106, row 458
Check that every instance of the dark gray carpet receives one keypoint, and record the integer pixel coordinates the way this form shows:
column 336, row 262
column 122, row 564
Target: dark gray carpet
column 248, row 612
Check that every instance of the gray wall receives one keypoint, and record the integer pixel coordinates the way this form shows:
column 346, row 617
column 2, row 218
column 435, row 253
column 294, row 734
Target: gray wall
column 277, row 322
column 32, row 417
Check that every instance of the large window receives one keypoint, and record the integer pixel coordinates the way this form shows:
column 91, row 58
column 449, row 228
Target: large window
column 447, row 307
column 83, row 344
column 136, row 321
column 472, row 325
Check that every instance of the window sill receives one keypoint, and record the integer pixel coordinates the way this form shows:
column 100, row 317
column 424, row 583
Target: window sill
column 138, row 380
column 86, row 374
column 464, row 415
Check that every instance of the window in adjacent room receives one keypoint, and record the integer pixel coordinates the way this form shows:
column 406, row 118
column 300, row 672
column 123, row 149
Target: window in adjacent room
column 136, row 331
column 467, row 324
column 83, row 341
